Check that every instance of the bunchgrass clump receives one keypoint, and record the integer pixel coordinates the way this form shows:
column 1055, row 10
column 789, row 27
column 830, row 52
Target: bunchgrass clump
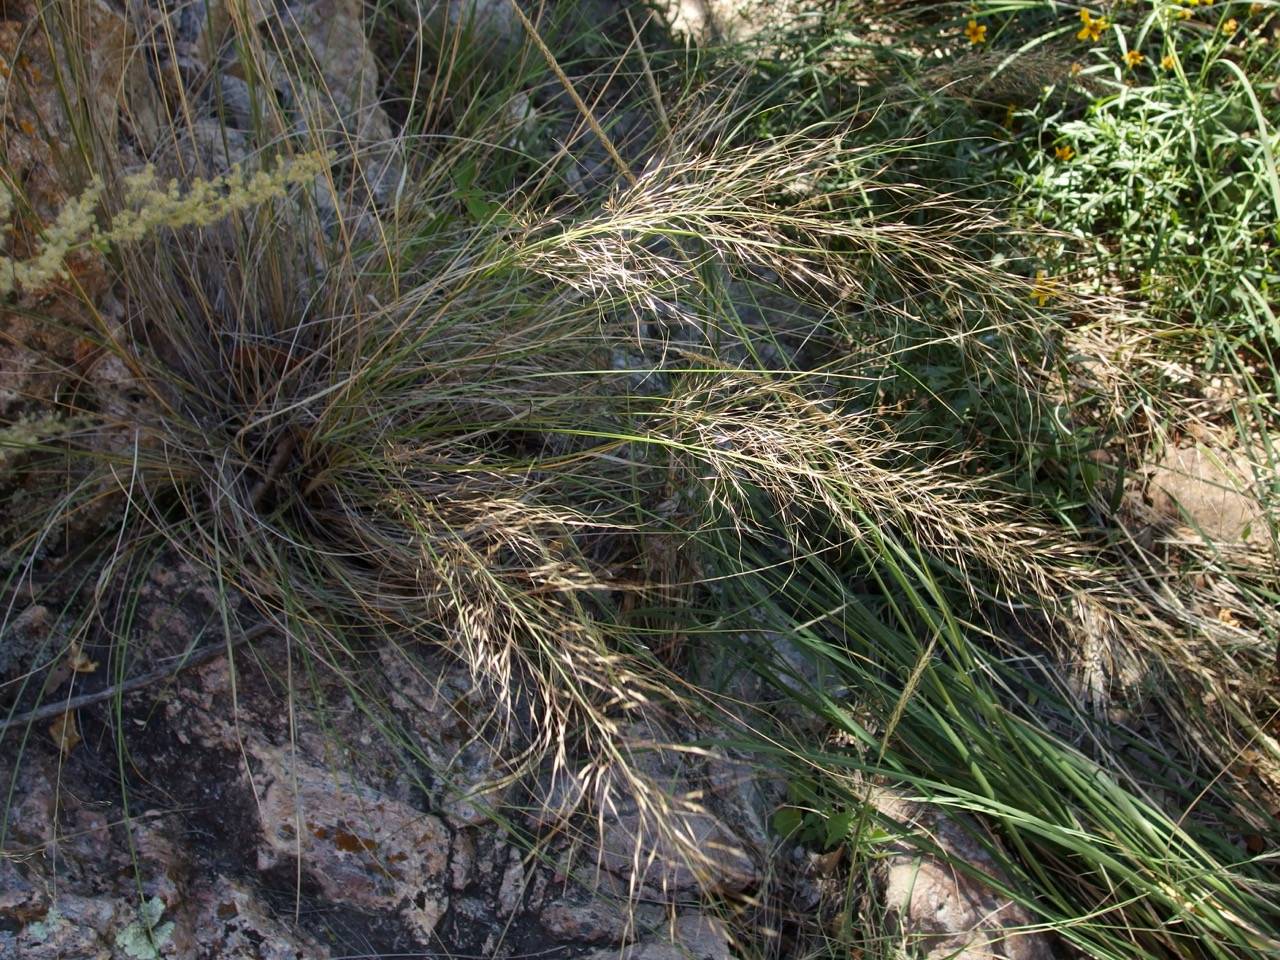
column 762, row 380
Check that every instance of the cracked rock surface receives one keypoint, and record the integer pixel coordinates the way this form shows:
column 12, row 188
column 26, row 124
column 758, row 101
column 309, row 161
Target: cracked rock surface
column 246, row 823
column 947, row 913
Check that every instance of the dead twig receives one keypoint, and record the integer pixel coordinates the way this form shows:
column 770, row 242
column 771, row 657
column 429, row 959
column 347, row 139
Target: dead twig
column 197, row 657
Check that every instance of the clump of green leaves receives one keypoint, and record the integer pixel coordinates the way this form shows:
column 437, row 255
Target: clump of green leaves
column 144, row 938
column 1165, row 174
column 814, row 815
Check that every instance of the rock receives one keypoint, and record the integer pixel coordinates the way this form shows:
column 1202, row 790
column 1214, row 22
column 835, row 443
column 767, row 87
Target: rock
column 487, row 28
column 26, row 636
column 235, row 103
column 162, row 863
column 362, row 848
column 319, row 82
column 332, row 32
column 462, row 864
column 146, row 934
column 707, row 21
column 30, row 819
column 449, row 711
column 469, row 794
column 245, row 788
column 691, row 850
column 555, row 799
column 227, row 920
column 512, row 889
column 20, row 901
column 520, row 117
column 693, row 937
column 599, row 920
column 948, row 913
column 204, row 149
column 74, row 926
column 655, row 835
column 345, row 105
column 192, row 57
column 747, row 793
column 80, row 883
column 763, row 679
column 1212, row 489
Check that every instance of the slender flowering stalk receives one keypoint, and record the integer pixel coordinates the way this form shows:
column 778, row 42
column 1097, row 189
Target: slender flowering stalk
column 148, row 205
column 73, row 223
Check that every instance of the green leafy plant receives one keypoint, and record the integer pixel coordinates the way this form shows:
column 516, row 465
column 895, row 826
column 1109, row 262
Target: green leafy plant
column 146, row 936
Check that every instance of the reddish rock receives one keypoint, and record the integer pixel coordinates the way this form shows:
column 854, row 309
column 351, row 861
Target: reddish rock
column 363, row 848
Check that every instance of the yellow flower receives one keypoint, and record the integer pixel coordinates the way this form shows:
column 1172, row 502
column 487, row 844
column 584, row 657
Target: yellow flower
column 1064, row 152
column 1167, row 61
column 1092, row 28
column 1184, row 14
column 1044, row 289
column 976, row 32
column 1077, row 69
column 1133, row 58
column 1230, row 27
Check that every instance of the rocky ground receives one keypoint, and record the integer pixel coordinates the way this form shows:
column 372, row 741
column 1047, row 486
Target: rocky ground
column 217, row 815
column 249, row 824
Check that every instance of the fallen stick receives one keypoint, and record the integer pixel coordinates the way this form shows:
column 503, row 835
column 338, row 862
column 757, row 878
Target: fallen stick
column 202, row 655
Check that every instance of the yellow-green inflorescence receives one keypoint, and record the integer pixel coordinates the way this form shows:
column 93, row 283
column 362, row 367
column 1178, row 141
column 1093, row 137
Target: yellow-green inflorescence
column 148, row 204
